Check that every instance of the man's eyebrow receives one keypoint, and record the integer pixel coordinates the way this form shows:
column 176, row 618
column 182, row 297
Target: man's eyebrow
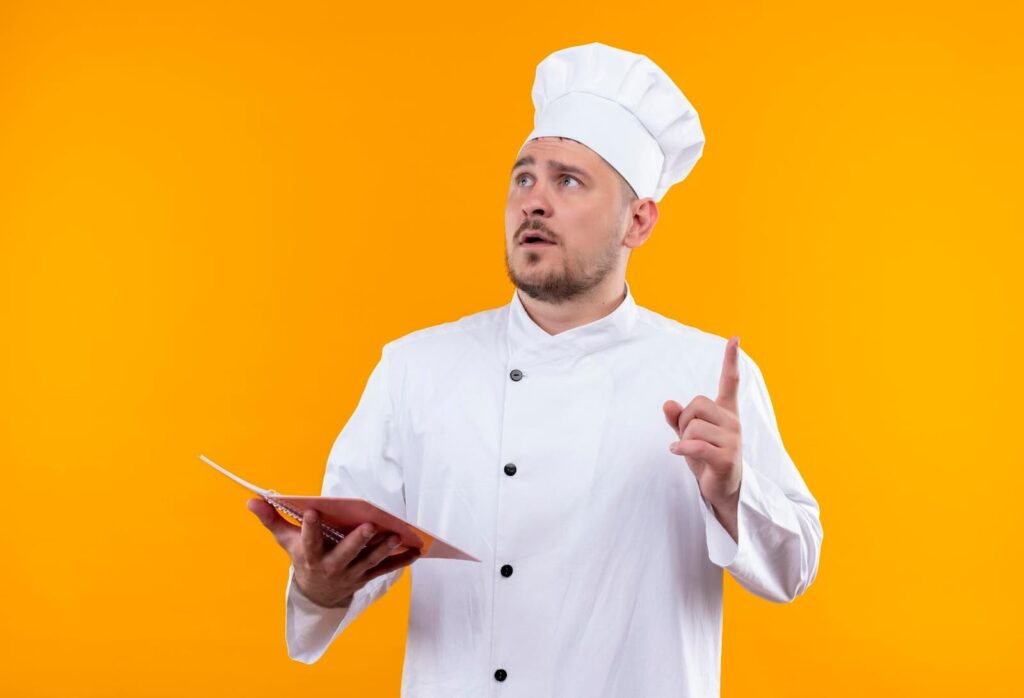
column 528, row 160
column 552, row 165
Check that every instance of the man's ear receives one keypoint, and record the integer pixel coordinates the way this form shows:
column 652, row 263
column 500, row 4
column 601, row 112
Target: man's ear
column 641, row 225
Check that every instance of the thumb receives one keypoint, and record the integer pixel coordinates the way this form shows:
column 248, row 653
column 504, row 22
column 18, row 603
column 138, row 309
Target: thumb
column 268, row 516
column 262, row 509
column 672, row 410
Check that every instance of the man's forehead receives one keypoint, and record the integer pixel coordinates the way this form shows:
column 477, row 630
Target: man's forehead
column 559, row 144
column 558, row 153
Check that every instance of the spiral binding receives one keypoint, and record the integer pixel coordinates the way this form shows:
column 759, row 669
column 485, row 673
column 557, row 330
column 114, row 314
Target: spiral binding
column 330, row 533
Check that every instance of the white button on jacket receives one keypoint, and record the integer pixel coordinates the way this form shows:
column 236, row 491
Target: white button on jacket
column 614, row 584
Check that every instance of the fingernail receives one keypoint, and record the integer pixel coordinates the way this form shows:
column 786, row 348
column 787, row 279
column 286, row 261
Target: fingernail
column 369, row 531
column 392, row 542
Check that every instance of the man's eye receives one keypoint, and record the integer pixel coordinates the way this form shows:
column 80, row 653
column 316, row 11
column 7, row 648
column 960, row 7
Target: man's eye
column 565, row 177
column 520, row 178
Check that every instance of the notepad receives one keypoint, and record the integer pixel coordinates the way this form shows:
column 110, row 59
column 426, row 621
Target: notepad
column 339, row 516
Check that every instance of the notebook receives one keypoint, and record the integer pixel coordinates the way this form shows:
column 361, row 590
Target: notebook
column 340, row 515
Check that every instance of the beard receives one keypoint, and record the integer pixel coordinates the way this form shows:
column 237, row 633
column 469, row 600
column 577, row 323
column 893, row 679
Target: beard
column 561, row 283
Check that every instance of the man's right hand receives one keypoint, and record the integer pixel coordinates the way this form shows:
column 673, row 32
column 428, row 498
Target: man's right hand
column 330, row 577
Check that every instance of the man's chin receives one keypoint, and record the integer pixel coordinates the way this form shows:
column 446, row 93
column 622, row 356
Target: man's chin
column 533, row 280
column 539, row 284
column 543, row 289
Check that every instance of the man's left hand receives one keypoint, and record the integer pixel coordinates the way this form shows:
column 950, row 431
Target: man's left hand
column 709, row 436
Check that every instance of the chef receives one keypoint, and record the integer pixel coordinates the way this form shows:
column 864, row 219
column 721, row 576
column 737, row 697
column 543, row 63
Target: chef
column 604, row 462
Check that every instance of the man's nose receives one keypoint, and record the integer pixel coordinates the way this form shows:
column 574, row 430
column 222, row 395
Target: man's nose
column 536, row 202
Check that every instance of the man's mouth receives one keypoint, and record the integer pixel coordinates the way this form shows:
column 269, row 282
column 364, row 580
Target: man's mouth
column 535, row 239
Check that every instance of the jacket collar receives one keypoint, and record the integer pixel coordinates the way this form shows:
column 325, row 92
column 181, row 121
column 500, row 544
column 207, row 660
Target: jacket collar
column 529, row 341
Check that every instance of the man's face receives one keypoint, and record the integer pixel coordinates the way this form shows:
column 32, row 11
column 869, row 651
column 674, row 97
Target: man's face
column 566, row 192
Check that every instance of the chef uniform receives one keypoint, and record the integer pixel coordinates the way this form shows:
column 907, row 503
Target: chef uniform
column 547, row 456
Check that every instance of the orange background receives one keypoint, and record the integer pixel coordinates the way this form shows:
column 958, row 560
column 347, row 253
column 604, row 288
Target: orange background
column 214, row 214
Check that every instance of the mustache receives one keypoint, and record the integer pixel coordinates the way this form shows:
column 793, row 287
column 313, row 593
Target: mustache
column 534, row 224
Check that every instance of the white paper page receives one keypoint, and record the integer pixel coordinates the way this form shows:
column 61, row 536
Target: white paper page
column 258, row 490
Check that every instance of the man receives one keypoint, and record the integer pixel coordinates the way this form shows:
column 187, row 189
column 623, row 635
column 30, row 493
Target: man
column 604, row 462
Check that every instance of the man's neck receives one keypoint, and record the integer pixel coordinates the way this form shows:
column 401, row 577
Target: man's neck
column 557, row 318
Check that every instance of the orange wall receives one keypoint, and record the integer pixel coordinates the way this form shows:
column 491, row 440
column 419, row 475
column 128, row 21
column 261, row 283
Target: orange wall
column 213, row 217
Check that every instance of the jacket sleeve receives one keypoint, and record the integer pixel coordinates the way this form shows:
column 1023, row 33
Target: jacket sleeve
column 365, row 462
column 779, row 528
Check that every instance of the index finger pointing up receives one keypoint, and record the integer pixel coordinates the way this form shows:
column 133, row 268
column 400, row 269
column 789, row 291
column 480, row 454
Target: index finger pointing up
column 729, row 383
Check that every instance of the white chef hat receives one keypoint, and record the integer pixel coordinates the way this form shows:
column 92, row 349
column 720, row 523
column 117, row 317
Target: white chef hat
column 624, row 108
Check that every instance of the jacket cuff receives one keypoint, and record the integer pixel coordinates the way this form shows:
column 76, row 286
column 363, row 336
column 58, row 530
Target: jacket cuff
column 309, row 627
column 722, row 549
